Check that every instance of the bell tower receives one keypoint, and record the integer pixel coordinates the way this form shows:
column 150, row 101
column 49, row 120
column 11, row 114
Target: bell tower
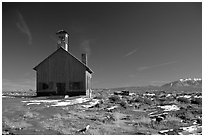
column 62, row 40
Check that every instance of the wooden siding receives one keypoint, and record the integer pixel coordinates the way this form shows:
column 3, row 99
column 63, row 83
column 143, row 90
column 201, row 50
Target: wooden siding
column 88, row 84
column 61, row 67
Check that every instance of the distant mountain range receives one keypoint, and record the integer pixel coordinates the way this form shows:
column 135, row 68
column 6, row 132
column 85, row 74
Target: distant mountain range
column 182, row 84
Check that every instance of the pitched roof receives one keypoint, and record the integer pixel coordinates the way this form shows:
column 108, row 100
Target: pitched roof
column 87, row 68
column 61, row 32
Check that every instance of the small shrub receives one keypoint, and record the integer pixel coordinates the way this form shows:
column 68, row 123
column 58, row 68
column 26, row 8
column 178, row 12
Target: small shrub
column 114, row 99
column 125, row 93
column 184, row 114
column 148, row 101
column 138, row 99
column 197, row 101
column 29, row 114
column 170, row 122
column 146, row 121
column 123, row 104
column 98, row 97
column 162, row 99
column 173, row 119
column 108, row 118
column 183, row 100
column 197, row 111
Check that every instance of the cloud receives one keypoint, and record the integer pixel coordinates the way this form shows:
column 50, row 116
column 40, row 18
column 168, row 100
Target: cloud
column 130, row 53
column 23, row 27
column 85, row 46
column 155, row 66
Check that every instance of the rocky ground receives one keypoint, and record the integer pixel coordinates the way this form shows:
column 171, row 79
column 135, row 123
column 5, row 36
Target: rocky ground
column 107, row 113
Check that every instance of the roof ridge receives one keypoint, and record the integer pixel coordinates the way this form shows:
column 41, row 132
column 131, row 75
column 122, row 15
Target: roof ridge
column 69, row 54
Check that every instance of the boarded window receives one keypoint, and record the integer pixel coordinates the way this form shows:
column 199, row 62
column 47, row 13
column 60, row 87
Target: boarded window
column 74, row 85
column 43, row 85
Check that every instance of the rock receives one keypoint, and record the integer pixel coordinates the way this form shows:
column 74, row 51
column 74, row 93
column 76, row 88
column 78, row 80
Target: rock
column 123, row 93
column 83, row 130
column 168, row 132
column 111, row 108
column 169, row 108
column 66, row 96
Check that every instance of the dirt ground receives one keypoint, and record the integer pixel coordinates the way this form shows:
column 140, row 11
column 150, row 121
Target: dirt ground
column 107, row 113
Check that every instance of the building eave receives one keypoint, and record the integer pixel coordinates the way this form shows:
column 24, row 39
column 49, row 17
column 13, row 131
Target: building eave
column 87, row 68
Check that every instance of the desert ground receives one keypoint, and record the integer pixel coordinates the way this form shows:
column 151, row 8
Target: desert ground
column 108, row 112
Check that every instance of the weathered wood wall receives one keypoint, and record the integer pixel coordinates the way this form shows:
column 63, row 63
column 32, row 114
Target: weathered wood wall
column 88, row 84
column 61, row 67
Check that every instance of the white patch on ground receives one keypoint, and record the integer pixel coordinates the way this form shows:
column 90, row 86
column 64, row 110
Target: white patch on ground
column 151, row 115
column 113, row 107
column 168, row 95
column 197, row 96
column 71, row 102
column 62, row 104
column 195, row 123
column 58, row 102
column 185, row 96
column 37, row 103
column 92, row 103
column 164, row 131
column 191, row 128
column 169, row 108
column 41, row 101
column 152, row 112
column 131, row 94
column 149, row 94
column 7, row 97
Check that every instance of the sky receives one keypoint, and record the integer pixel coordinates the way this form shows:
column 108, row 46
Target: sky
column 128, row 44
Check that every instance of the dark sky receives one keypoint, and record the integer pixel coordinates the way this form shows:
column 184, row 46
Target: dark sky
column 128, row 44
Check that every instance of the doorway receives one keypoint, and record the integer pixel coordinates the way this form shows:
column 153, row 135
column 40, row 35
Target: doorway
column 60, row 88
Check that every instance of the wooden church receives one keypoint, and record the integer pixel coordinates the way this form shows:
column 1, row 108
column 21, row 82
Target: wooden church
column 61, row 73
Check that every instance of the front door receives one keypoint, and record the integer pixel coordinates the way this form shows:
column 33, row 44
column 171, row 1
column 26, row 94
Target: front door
column 60, row 88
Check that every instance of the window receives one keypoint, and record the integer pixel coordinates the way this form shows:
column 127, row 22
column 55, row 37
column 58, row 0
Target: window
column 43, row 85
column 74, row 85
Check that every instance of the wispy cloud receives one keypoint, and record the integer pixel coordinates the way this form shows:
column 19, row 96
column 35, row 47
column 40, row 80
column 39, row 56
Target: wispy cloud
column 85, row 46
column 23, row 27
column 131, row 52
column 155, row 66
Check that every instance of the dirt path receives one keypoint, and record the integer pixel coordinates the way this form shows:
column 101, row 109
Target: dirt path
column 120, row 122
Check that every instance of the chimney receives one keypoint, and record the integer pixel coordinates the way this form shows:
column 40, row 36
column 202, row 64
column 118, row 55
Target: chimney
column 63, row 40
column 84, row 58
